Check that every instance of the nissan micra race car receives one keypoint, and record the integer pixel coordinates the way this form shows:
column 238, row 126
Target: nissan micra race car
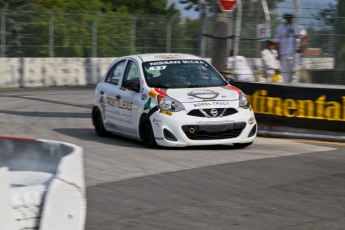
column 172, row 100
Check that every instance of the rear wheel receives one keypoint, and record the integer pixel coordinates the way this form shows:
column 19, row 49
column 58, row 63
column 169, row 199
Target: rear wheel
column 146, row 133
column 98, row 123
column 242, row 145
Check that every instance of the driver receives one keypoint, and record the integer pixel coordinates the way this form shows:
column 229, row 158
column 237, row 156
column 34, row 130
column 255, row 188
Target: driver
column 169, row 74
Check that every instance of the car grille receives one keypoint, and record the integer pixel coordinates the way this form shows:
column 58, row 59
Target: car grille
column 221, row 112
column 213, row 132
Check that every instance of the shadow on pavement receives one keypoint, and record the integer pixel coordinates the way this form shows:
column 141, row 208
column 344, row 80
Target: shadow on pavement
column 90, row 135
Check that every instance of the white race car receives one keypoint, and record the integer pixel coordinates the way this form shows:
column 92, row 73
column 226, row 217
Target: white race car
column 172, row 100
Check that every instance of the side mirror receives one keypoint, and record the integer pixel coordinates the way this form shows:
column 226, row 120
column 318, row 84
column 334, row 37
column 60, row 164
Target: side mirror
column 230, row 80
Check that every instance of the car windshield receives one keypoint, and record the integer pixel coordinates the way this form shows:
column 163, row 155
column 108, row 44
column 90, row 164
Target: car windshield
column 181, row 74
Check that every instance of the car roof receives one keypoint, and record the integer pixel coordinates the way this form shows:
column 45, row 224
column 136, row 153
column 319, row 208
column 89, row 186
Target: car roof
column 166, row 56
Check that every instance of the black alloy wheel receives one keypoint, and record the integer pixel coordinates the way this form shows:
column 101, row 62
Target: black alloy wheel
column 98, row 123
column 146, row 133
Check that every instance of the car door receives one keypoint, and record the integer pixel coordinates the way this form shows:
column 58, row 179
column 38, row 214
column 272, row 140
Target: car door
column 110, row 89
column 130, row 101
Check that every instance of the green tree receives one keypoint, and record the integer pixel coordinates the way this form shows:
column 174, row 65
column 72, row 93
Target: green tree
column 116, row 20
column 74, row 20
column 327, row 16
column 16, row 25
column 140, row 6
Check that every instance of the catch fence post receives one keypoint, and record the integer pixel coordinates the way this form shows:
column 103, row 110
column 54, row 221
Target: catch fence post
column 51, row 32
column 295, row 69
column 201, row 51
column 237, row 35
column 133, row 34
column 94, row 34
column 3, row 30
column 168, row 49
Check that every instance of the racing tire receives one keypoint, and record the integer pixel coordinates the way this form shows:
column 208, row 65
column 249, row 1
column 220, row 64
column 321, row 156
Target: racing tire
column 98, row 123
column 242, row 145
column 146, row 133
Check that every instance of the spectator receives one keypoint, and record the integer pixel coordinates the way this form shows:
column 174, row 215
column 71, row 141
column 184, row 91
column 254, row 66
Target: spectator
column 284, row 38
column 269, row 57
column 243, row 72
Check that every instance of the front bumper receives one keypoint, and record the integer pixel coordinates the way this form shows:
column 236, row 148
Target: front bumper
column 179, row 129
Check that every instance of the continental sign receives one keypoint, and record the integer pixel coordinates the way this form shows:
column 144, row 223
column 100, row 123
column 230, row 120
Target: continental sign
column 297, row 106
column 320, row 108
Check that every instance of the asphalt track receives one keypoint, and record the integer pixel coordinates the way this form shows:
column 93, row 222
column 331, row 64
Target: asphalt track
column 273, row 184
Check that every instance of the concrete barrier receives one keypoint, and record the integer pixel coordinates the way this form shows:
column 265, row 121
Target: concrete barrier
column 41, row 185
column 30, row 72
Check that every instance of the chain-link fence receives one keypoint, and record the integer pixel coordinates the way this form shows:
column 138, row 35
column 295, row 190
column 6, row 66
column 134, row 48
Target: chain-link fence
column 319, row 63
column 57, row 33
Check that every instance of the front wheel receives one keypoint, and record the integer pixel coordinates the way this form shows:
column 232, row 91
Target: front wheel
column 98, row 123
column 146, row 132
column 242, row 145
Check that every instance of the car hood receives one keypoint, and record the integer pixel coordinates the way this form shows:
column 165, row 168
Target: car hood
column 185, row 95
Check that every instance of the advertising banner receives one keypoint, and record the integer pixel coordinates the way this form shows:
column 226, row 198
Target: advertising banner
column 298, row 107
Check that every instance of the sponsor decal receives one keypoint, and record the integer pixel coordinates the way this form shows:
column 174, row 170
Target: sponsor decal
column 211, row 103
column 123, row 120
column 164, row 63
column 159, row 138
column 165, row 112
column 193, row 62
column 158, row 90
column 157, row 122
column 215, row 122
column 319, row 109
column 152, row 94
column 148, row 104
column 102, row 105
column 122, row 104
column 110, row 125
column 157, row 67
column 142, row 90
column 143, row 97
column 233, row 88
column 168, row 56
column 204, row 94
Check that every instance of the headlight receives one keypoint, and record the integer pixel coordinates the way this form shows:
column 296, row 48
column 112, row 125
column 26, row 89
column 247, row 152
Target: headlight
column 169, row 104
column 244, row 103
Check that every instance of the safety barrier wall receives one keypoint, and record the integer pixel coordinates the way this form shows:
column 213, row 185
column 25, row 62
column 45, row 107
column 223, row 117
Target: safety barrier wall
column 41, row 185
column 30, row 72
column 307, row 106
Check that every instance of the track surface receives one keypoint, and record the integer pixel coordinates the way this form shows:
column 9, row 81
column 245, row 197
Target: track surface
column 273, row 184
